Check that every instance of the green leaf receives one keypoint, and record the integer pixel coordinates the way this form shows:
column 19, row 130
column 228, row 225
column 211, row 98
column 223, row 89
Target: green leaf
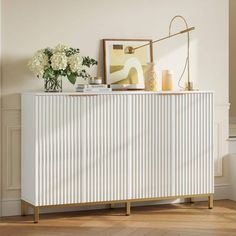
column 87, row 61
column 72, row 78
column 49, row 73
column 71, row 51
column 48, row 52
column 84, row 74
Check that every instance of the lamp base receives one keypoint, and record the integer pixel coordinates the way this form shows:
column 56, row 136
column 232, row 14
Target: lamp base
column 188, row 86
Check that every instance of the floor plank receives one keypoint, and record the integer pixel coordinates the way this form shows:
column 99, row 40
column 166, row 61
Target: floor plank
column 164, row 220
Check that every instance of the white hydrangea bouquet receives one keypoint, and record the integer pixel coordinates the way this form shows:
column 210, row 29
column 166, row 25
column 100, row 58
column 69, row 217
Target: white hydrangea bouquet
column 62, row 61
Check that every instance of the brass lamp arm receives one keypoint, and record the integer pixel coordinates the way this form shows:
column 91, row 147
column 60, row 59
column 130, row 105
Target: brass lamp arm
column 167, row 37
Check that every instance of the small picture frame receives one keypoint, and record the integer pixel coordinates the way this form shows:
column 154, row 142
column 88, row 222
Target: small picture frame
column 126, row 70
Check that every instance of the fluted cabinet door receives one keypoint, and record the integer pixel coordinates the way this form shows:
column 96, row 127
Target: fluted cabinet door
column 106, row 148
column 151, row 129
column 59, row 150
column 171, row 145
column 192, row 139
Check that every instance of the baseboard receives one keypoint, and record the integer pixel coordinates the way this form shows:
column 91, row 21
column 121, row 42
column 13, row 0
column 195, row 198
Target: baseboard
column 232, row 168
column 11, row 207
column 232, row 120
column 222, row 191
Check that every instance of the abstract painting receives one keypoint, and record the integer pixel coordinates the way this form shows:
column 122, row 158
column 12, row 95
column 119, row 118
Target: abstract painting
column 126, row 70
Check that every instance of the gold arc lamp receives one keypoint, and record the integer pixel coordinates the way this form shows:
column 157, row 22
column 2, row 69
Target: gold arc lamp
column 187, row 30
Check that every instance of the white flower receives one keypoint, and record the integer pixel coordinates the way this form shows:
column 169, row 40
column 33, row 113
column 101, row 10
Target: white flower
column 59, row 61
column 75, row 62
column 38, row 63
column 61, row 48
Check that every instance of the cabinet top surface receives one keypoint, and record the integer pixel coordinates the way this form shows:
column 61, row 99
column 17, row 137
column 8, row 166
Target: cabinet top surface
column 40, row 93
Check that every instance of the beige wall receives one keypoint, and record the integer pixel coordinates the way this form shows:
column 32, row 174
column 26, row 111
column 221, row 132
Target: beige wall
column 28, row 25
column 1, row 107
column 232, row 61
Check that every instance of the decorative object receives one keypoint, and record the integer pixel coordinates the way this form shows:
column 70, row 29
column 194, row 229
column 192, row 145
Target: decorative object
column 167, row 84
column 62, row 61
column 121, row 147
column 94, row 88
column 151, row 77
column 95, row 80
column 126, row 71
column 53, row 84
column 188, row 85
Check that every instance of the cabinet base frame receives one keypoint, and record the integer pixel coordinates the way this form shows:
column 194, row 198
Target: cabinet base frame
column 25, row 204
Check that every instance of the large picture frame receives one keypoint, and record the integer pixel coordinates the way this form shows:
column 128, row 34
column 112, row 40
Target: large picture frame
column 126, row 71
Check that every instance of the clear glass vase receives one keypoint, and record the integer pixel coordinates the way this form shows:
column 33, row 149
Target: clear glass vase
column 53, row 84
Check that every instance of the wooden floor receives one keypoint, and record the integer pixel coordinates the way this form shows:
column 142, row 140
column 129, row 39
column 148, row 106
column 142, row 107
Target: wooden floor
column 165, row 220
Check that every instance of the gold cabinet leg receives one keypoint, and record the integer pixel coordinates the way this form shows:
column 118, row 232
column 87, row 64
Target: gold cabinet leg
column 191, row 200
column 210, row 201
column 128, row 204
column 24, row 208
column 36, row 214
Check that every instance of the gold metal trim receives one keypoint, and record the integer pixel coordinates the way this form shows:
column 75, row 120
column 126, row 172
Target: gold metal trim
column 190, row 200
column 24, row 207
column 128, row 205
column 25, row 204
column 112, row 206
column 210, row 201
column 87, row 94
column 36, row 214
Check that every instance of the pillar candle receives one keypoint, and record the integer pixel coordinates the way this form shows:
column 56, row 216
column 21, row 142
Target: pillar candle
column 167, row 84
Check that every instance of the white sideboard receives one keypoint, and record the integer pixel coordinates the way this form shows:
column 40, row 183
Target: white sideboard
column 115, row 147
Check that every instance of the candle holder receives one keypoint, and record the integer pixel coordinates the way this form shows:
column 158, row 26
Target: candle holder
column 167, row 84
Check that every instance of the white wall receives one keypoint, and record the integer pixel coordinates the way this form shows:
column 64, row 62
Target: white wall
column 31, row 24
column 28, row 25
column 232, row 61
column 0, row 109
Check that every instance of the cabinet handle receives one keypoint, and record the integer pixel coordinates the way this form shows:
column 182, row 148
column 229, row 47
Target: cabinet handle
column 171, row 94
column 84, row 95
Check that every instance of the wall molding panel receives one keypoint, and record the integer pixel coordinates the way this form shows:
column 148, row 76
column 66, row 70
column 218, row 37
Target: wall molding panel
column 13, row 157
column 221, row 134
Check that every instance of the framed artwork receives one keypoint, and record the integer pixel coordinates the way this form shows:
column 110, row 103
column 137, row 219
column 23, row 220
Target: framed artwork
column 126, row 70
